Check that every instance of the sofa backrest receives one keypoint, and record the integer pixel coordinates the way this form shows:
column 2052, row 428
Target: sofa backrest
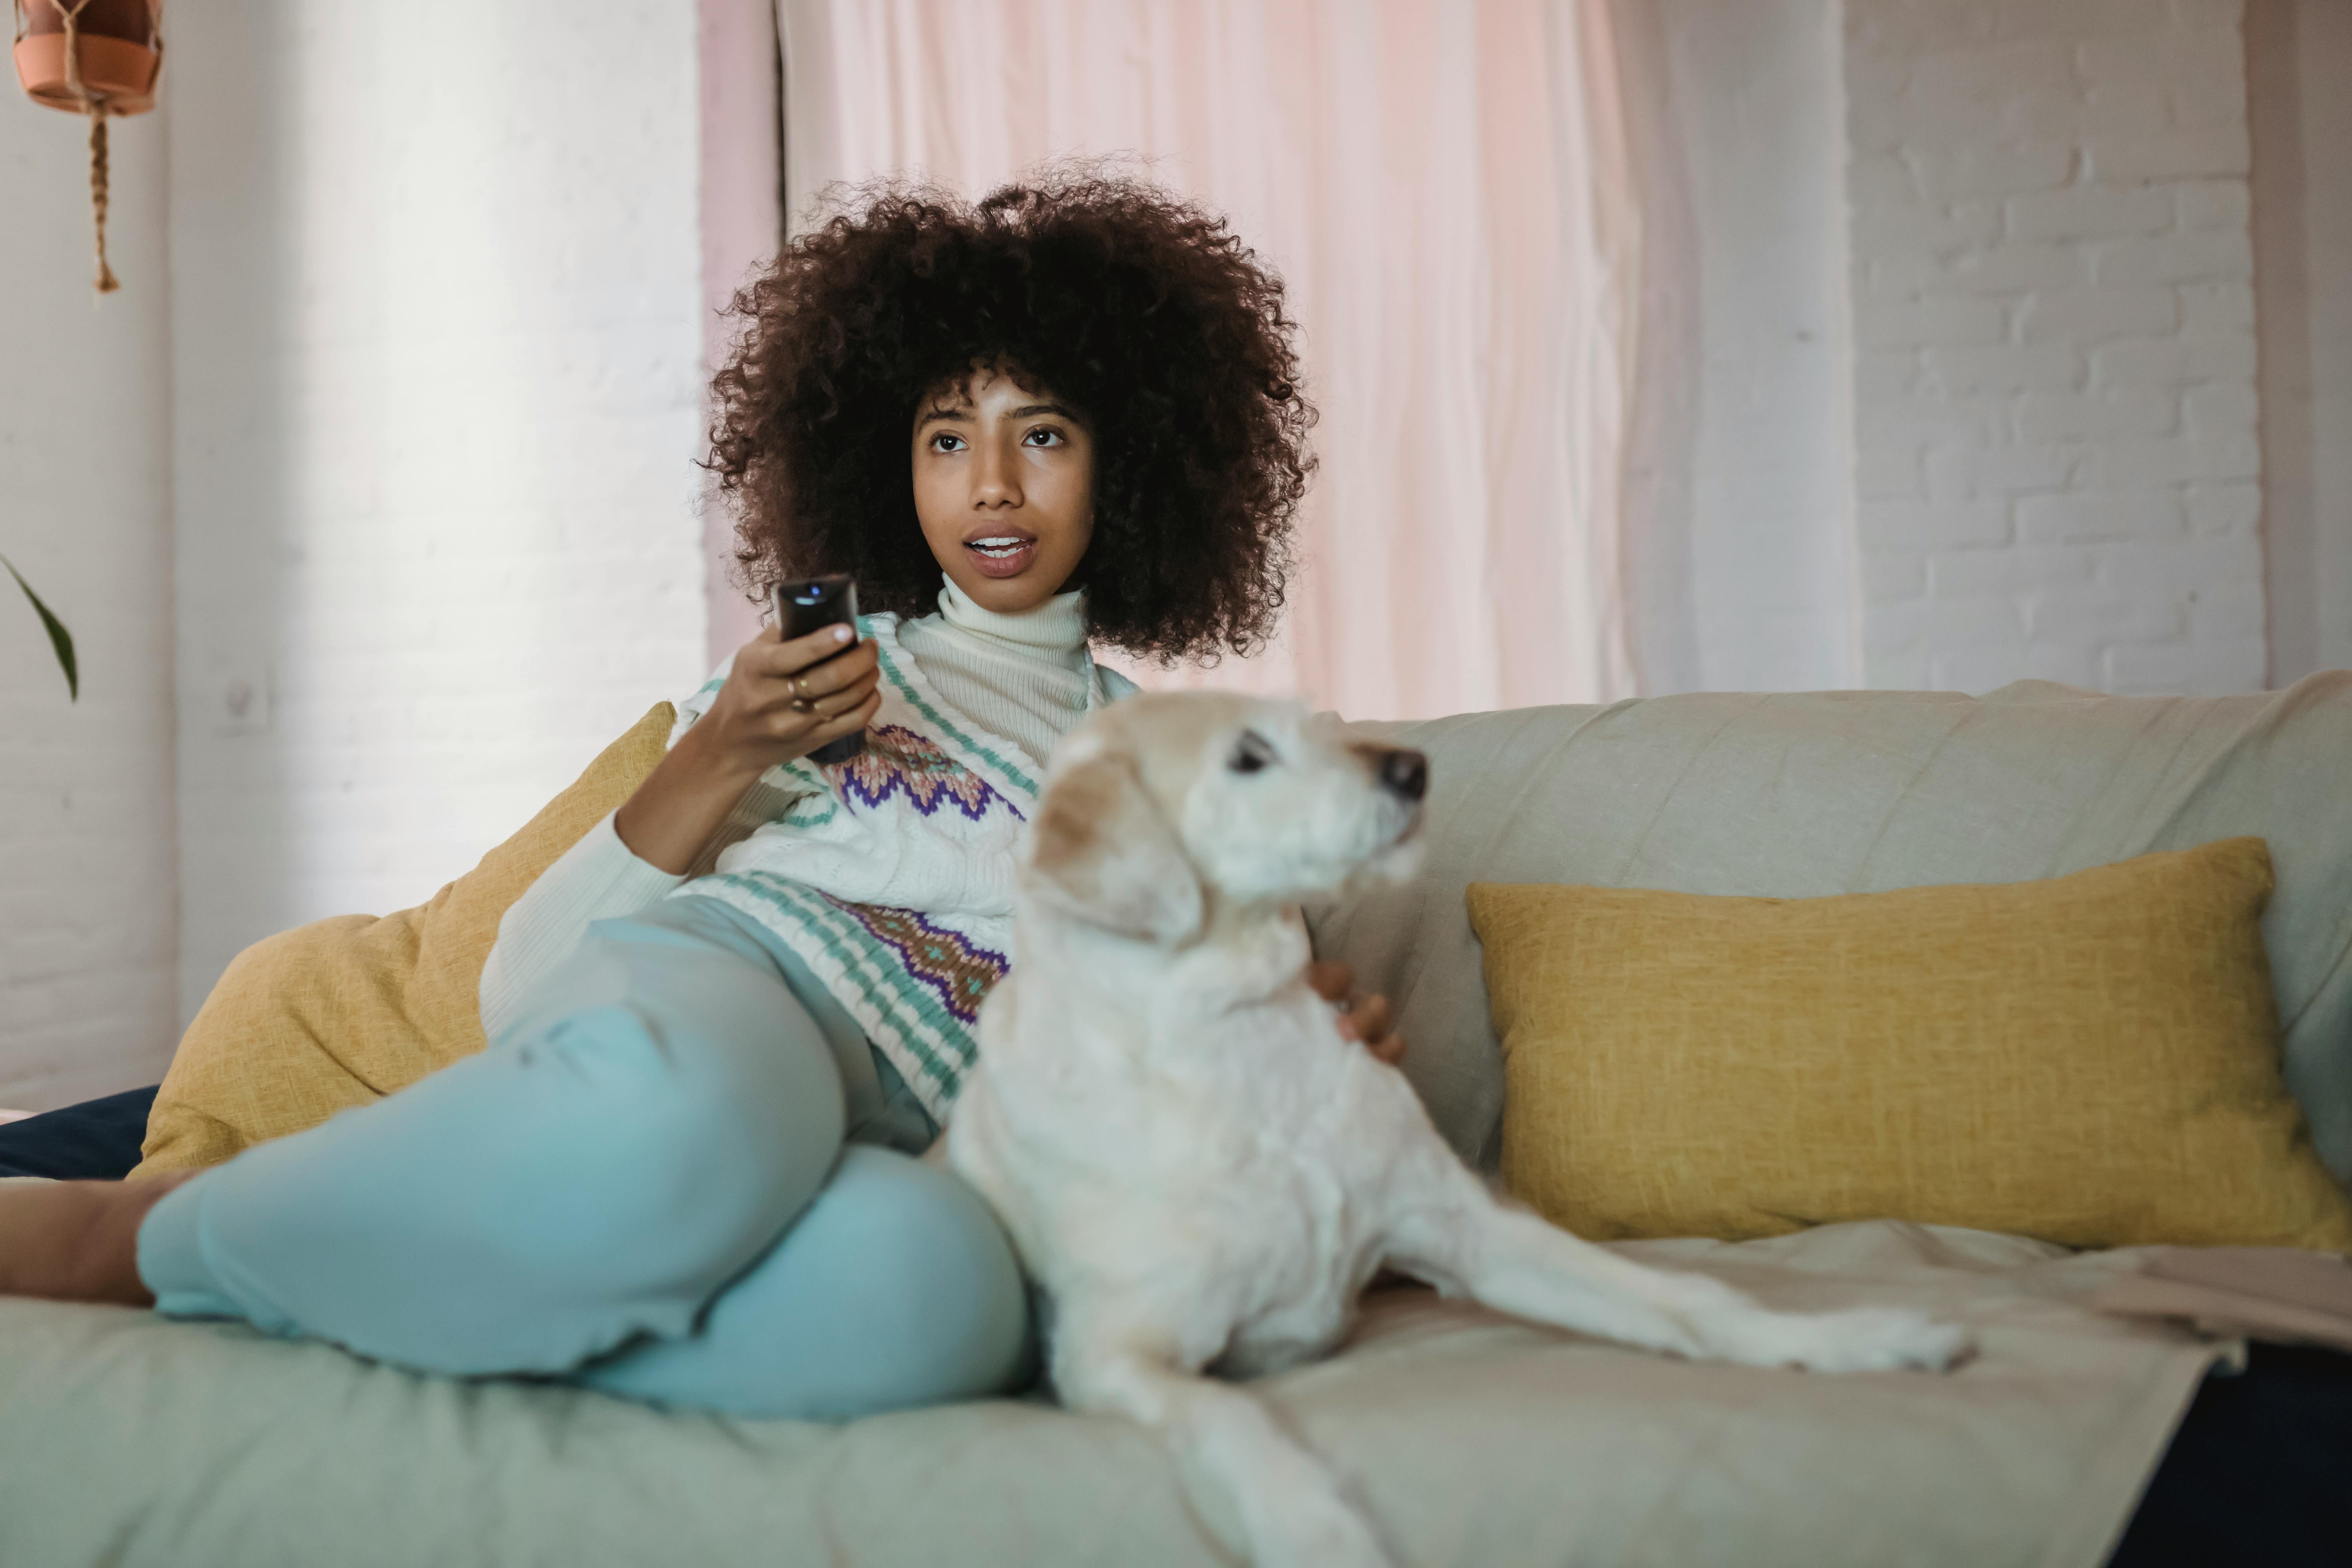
column 1795, row 795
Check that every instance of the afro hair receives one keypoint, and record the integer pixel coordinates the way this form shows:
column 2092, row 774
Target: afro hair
column 1141, row 311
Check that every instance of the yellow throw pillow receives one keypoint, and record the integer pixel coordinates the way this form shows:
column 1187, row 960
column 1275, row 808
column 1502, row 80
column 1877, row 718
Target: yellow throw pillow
column 2092, row 1059
column 344, row 1011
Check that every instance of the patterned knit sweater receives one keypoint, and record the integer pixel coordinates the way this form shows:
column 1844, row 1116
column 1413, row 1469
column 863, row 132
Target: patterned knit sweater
column 889, row 876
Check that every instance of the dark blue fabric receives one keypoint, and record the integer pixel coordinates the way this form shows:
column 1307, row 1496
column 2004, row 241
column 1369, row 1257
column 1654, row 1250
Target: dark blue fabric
column 2260, row 1473
column 95, row 1140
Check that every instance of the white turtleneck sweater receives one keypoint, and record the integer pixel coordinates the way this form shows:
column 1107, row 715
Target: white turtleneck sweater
column 1022, row 678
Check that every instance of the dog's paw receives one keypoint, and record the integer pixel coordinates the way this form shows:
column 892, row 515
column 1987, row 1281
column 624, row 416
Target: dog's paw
column 1873, row 1339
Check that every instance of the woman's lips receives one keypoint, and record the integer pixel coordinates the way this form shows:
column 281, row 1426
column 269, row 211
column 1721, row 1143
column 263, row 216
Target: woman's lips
column 1001, row 555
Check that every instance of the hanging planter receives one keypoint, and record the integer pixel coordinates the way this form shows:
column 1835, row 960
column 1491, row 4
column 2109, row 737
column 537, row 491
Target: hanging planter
column 97, row 58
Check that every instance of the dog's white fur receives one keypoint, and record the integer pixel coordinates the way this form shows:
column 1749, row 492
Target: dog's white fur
column 1203, row 1173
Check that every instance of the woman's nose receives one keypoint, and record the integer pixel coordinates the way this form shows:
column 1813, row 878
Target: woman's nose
column 996, row 482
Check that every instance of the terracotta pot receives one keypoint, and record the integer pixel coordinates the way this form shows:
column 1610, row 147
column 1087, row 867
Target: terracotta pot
column 118, row 44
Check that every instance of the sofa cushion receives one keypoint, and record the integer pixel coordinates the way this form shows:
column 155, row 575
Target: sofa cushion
column 136, row 1442
column 1795, row 795
column 344, row 1011
column 2090, row 1060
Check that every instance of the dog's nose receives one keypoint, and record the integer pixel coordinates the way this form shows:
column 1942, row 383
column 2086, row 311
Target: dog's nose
column 1406, row 773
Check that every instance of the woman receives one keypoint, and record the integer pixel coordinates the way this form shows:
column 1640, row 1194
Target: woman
column 726, row 1023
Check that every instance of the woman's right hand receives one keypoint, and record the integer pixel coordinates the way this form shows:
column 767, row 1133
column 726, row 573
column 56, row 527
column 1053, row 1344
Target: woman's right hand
column 780, row 701
column 784, row 700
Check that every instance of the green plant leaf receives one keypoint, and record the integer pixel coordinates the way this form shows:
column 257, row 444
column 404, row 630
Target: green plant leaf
column 60, row 638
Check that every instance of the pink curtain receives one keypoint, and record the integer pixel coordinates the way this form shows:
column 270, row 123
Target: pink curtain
column 1445, row 188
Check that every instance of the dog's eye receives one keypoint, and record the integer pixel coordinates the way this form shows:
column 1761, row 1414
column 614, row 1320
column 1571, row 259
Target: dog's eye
column 1251, row 752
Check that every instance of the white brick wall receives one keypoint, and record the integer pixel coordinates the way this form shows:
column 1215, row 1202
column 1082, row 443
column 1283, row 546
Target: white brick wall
column 436, row 285
column 2056, row 467
column 86, row 862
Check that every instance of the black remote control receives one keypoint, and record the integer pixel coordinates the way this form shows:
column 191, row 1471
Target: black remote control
column 804, row 606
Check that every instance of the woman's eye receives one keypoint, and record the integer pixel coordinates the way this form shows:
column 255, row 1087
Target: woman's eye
column 1043, row 438
column 1251, row 752
column 946, row 443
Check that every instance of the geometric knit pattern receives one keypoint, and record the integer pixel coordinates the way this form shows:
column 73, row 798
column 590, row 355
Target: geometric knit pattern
column 957, row 971
column 898, row 760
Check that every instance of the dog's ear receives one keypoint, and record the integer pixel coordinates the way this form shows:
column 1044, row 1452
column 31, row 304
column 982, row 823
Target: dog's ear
column 1100, row 851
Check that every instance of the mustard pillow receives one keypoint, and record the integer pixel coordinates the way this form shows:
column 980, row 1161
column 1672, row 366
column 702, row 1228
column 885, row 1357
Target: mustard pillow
column 344, row 1011
column 2092, row 1059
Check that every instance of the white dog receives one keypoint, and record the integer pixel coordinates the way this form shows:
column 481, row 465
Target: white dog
column 1197, row 1166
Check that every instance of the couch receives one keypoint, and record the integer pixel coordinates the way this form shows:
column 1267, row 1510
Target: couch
column 129, row 1440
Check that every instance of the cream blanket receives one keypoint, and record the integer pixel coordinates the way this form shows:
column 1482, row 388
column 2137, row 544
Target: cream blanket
column 136, row 1442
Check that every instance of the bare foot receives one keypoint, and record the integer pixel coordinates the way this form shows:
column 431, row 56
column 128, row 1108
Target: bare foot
column 77, row 1241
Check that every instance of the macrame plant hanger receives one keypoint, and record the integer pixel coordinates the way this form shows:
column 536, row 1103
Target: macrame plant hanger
column 94, row 57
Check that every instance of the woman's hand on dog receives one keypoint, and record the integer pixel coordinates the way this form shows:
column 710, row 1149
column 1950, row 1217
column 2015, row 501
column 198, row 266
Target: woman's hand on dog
column 1369, row 1021
column 780, row 701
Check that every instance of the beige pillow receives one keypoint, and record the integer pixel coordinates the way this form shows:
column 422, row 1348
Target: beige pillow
column 2092, row 1059
column 344, row 1011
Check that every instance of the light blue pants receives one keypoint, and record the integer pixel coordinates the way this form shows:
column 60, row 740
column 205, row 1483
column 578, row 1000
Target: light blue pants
column 679, row 1177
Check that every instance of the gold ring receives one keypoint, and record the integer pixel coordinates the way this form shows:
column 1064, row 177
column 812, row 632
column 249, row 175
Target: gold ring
column 794, row 683
column 802, row 705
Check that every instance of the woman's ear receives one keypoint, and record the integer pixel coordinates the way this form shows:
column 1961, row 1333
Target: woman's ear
column 1101, row 851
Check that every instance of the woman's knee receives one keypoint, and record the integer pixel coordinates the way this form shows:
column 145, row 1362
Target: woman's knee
column 936, row 1249
column 950, row 1309
column 735, row 1139
column 689, row 1084
column 897, row 1288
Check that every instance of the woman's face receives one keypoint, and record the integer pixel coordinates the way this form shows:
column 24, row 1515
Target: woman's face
column 1004, row 488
